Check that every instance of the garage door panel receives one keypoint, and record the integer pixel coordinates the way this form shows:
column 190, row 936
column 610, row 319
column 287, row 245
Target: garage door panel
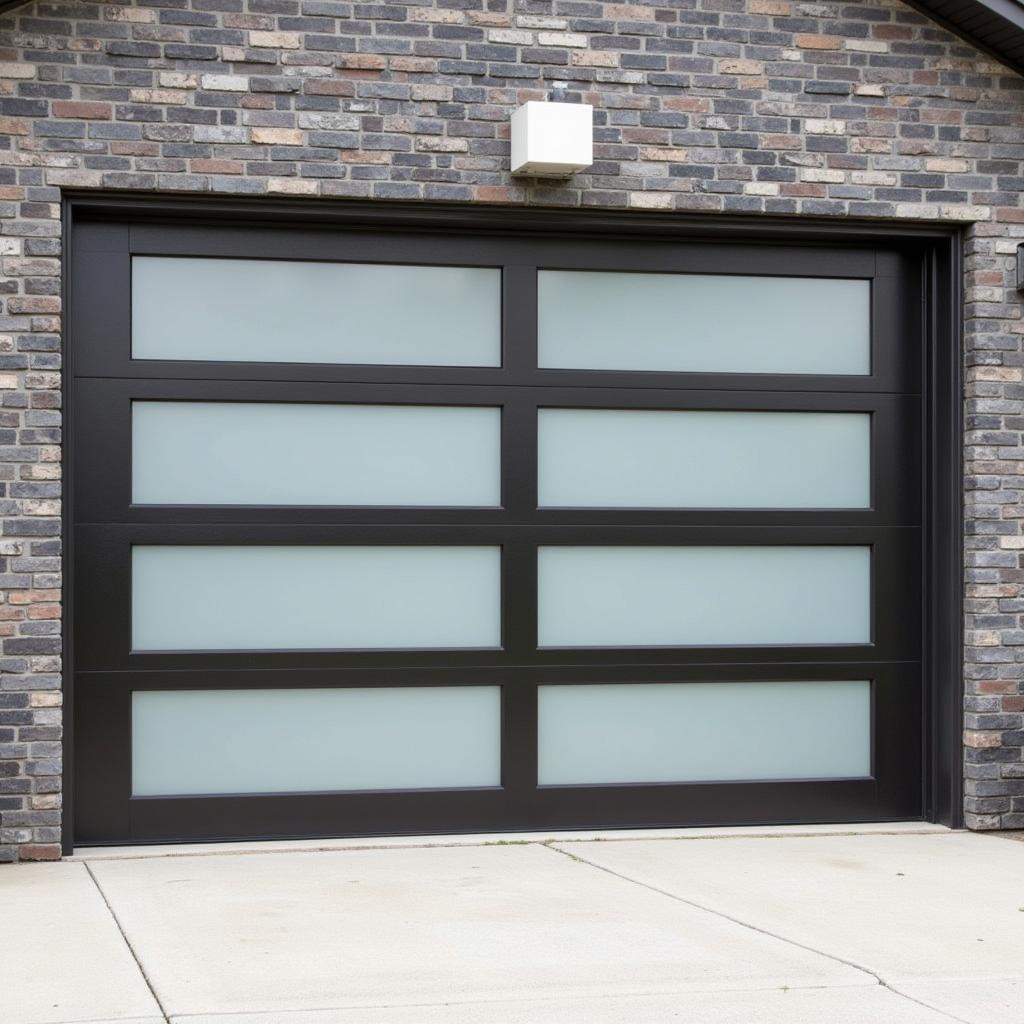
column 105, row 459
column 106, row 326
column 103, row 571
column 107, row 812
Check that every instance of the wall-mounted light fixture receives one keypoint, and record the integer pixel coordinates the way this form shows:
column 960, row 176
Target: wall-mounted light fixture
column 1020, row 268
column 552, row 139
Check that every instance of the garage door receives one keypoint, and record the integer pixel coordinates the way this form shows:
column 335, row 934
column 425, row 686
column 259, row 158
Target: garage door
column 385, row 532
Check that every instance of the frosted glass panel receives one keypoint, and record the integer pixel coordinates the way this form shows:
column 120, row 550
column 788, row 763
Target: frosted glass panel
column 698, row 732
column 287, row 311
column 624, row 458
column 707, row 596
column 280, row 741
column 703, row 323
column 221, row 598
column 235, row 453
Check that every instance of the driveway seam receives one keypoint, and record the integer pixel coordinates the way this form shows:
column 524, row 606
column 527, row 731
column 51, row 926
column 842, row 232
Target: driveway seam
column 131, row 948
column 755, row 928
column 182, row 1018
column 503, row 1001
column 92, row 1020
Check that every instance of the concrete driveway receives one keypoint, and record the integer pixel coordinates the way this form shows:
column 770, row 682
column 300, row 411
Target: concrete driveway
column 894, row 924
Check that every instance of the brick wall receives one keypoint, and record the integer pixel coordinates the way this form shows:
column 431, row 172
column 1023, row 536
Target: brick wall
column 753, row 106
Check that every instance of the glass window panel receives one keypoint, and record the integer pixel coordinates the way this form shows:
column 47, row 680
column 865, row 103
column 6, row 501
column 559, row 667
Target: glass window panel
column 247, row 453
column 703, row 596
column 290, row 311
column 279, row 741
column 703, row 323
column 312, row 597
column 698, row 732
column 625, row 458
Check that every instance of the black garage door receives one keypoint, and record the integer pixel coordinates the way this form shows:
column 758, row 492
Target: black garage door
column 381, row 532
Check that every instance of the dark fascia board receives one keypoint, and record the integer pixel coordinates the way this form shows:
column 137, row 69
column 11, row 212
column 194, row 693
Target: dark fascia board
column 1001, row 34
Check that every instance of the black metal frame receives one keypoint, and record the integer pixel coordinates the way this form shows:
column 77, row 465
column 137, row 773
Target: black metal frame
column 915, row 446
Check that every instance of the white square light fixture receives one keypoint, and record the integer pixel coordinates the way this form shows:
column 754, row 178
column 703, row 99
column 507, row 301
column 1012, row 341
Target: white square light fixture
column 551, row 139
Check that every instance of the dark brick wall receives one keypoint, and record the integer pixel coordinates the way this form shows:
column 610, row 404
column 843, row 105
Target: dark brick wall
column 753, row 106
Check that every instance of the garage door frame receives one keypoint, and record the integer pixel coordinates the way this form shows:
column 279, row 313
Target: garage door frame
column 941, row 252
